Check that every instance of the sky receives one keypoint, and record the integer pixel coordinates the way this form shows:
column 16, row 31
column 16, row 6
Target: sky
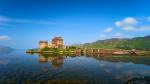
column 24, row 22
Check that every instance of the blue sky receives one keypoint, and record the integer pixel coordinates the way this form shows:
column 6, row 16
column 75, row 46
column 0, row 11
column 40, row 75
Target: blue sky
column 24, row 22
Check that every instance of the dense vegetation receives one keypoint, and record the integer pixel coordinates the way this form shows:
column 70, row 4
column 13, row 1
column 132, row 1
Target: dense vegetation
column 69, row 48
column 51, row 49
column 139, row 43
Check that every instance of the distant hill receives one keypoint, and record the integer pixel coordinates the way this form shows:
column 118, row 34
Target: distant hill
column 5, row 49
column 139, row 43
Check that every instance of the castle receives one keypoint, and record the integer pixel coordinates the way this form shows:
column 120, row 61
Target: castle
column 57, row 42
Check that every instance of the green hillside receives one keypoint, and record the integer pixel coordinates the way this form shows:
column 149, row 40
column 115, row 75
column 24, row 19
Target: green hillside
column 139, row 43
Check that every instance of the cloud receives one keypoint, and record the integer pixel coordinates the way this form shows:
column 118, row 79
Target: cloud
column 126, row 22
column 108, row 29
column 119, row 23
column 4, row 20
column 118, row 35
column 130, row 20
column 144, row 28
column 4, row 37
column 129, row 28
column 102, row 36
column 32, row 21
column 131, row 24
column 137, row 28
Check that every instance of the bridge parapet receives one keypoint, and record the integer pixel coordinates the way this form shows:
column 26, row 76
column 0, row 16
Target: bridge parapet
column 99, row 50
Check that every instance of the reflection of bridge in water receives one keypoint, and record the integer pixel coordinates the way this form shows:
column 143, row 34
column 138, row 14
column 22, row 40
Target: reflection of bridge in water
column 121, row 58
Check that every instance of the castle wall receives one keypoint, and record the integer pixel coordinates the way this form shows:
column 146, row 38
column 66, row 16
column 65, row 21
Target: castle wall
column 43, row 44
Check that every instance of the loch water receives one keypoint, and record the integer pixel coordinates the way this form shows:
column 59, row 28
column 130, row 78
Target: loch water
column 19, row 67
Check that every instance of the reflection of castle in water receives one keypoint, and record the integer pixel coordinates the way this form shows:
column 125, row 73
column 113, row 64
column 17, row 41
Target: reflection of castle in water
column 55, row 60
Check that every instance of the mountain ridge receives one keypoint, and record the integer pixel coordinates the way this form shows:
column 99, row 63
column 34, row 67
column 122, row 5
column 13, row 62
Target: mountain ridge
column 139, row 43
column 5, row 49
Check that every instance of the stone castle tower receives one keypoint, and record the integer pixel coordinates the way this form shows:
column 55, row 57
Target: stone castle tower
column 43, row 44
column 57, row 42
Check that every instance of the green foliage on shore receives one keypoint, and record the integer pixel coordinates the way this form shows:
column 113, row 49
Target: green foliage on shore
column 72, row 48
column 51, row 49
column 139, row 43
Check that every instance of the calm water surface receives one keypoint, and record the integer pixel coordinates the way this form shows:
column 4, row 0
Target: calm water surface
column 21, row 68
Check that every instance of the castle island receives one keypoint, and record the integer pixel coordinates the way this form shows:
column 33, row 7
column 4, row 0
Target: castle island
column 56, row 46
